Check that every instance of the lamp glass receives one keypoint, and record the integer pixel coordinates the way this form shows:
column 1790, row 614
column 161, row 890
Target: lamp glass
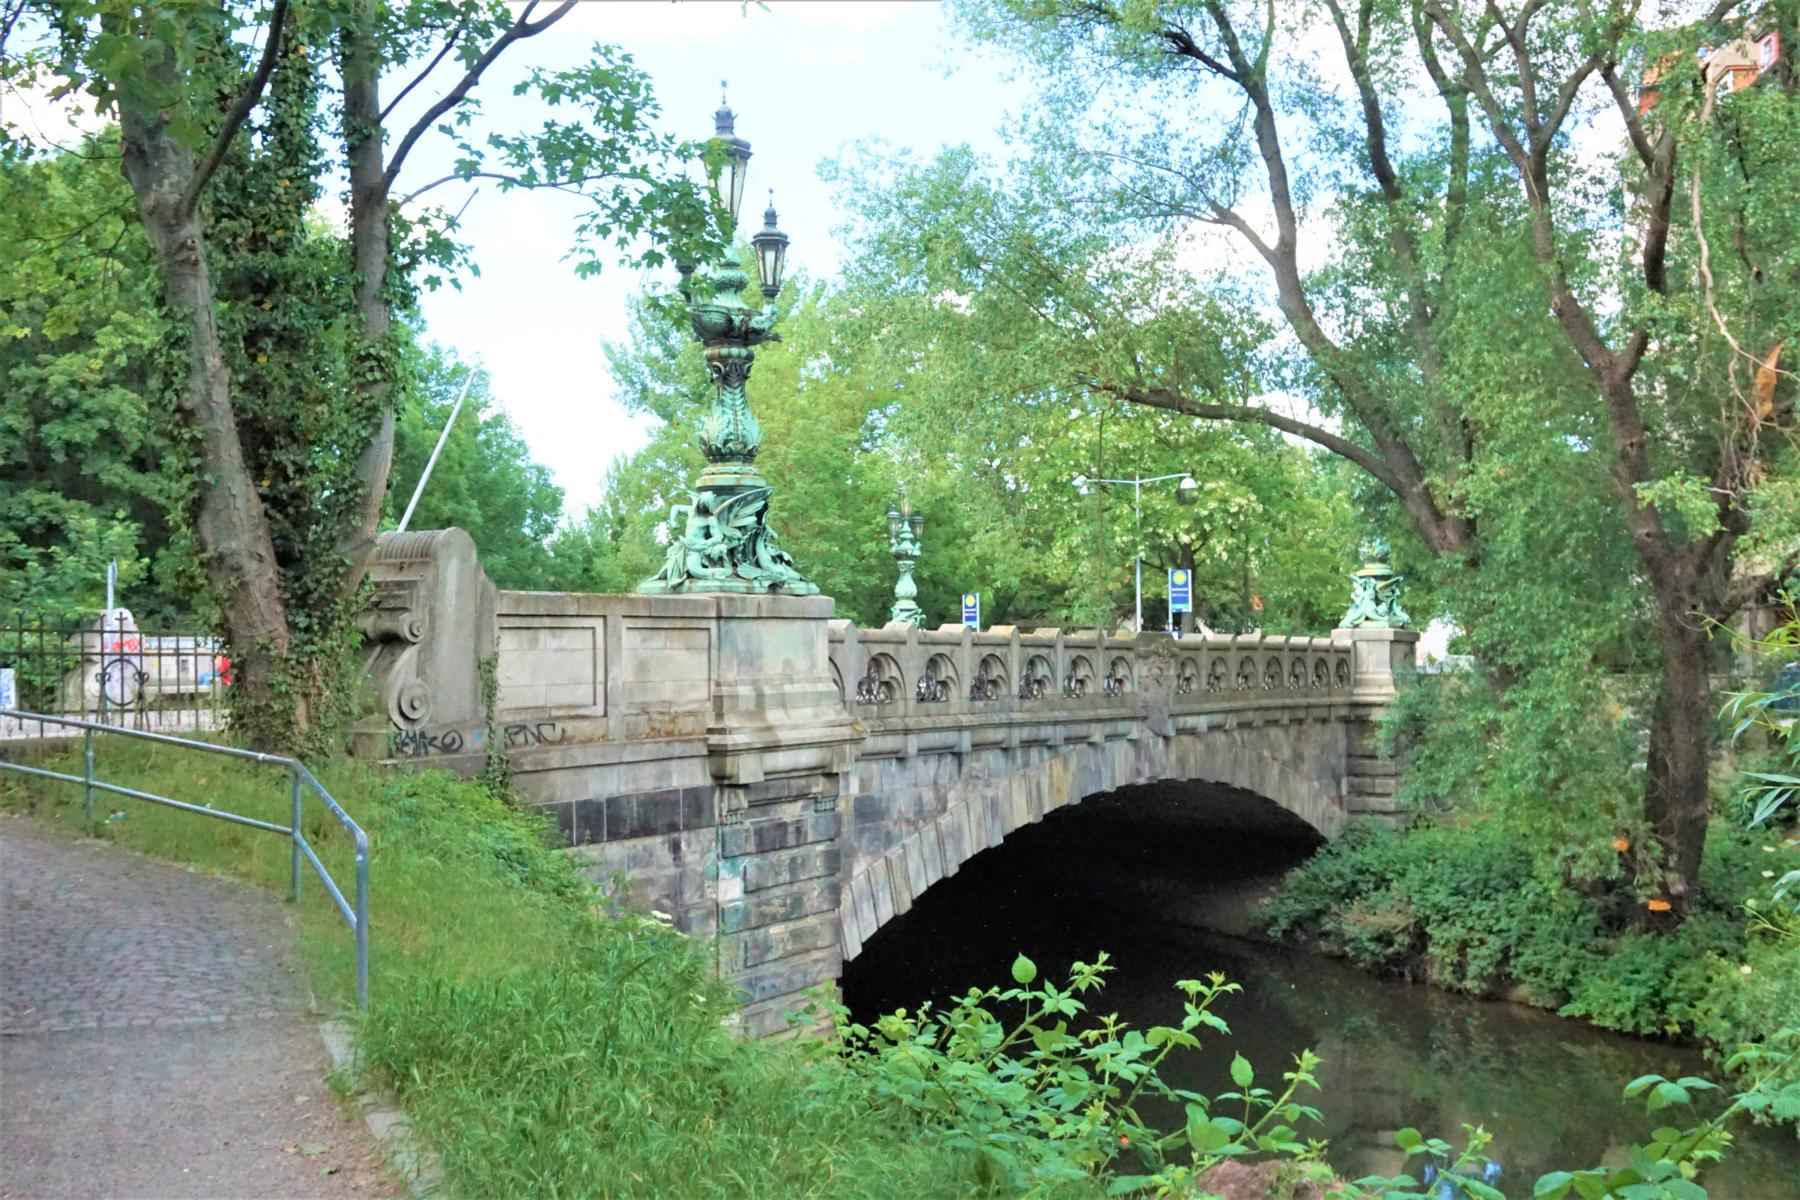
column 771, row 246
column 729, row 178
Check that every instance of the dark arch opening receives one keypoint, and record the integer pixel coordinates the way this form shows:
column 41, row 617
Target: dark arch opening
column 1122, row 871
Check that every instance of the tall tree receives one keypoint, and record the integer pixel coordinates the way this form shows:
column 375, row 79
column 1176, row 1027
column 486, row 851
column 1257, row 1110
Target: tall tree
column 193, row 90
column 88, row 471
column 1472, row 254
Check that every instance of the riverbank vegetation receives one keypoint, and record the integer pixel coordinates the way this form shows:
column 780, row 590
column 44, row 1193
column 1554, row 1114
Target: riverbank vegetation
column 1481, row 892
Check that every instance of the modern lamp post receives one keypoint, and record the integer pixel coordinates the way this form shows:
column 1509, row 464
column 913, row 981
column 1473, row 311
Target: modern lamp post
column 905, row 532
column 721, row 541
column 1184, row 492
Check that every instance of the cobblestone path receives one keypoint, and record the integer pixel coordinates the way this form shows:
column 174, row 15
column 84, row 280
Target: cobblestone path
column 154, row 1036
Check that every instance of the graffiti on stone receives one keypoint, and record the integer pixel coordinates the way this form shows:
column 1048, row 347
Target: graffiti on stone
column 423, row 743
column 533, row 733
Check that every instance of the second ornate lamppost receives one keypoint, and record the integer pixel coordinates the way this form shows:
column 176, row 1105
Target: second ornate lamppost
column 905, row 531
column 720, row 539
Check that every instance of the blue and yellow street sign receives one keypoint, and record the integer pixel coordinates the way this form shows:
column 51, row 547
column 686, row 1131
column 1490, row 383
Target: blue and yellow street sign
column 972, row 610
column 1181, row 590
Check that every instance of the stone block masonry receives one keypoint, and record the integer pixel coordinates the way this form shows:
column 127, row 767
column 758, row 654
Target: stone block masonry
column 783, row 784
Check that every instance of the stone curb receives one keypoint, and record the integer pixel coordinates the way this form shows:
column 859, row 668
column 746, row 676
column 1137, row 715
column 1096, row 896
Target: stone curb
column 416, row 1165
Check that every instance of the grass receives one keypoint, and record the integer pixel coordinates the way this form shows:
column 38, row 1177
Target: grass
column 542, row 1047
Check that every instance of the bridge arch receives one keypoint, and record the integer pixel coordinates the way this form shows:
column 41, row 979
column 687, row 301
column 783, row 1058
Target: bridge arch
column 917, row 819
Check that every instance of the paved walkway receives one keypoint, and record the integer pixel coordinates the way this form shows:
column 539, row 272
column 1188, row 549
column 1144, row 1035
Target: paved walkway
column 154, row 1036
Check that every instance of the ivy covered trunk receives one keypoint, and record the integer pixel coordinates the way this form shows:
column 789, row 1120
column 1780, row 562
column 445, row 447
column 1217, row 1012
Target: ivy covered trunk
column 231, row 523
column 370, row 238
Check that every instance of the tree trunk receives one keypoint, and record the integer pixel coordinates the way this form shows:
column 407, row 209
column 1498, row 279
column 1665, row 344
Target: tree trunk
column 369, row 236
column 1677, row 799
column 232, row 527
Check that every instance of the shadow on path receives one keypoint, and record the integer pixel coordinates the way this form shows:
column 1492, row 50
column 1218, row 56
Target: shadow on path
column 155, row 1039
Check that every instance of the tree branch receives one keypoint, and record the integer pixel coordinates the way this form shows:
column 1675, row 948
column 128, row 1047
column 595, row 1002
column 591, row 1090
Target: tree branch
column 240, row 112
column 1456, row 100
column 1171, row 401
column 1182, row 43
column 1752, row 589
column 423, row 75
column 552, row 184
column 518, row 31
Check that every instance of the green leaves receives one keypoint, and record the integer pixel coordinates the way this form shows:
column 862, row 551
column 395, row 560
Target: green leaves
column 1045, row 1099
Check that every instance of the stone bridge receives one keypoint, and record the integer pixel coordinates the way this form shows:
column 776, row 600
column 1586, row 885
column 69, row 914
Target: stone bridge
column 785, row 783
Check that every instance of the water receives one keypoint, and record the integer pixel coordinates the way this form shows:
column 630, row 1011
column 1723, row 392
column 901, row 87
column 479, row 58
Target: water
column 1162, row 878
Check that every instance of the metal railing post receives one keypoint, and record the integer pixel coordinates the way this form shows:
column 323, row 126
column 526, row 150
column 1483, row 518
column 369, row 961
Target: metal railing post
column 362, row 921
column 294, row 776
column 87, row 782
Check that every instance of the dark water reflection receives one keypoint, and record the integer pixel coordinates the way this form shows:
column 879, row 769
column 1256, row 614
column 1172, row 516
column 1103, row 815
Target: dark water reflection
column 1150, row 873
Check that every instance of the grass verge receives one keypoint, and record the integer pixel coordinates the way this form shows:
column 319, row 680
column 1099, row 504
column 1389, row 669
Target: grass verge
column 541, row 1047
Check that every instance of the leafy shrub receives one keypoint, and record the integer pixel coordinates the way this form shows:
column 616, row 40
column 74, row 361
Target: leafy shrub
column 1054, row 1099
column 1472, row 909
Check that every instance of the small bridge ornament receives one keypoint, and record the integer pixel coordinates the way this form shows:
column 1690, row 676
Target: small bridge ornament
column 932, row 688
column 984, row 688
column 872, row 688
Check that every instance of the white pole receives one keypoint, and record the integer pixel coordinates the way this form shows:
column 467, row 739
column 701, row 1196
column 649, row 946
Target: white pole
column 431, row 462
column 1137, row 504
column 112, row 579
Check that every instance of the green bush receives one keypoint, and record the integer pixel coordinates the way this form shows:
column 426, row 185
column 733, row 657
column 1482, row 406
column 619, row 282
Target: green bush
column 1472, row 908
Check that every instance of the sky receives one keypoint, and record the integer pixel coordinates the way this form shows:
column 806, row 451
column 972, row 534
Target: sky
column 806, row 80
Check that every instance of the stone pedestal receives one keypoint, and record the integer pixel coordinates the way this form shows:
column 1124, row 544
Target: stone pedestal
column 1381, row 659
column 427, row 625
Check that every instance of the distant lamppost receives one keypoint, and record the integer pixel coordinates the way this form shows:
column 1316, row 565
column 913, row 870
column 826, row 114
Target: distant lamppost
column 1185, row 491
column 905, row 532
column 720, row 539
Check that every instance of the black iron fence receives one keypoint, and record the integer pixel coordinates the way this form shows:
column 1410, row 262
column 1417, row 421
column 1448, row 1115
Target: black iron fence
column 102, row 667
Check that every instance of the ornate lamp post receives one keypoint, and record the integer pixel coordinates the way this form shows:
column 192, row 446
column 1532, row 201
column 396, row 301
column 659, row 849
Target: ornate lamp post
column 721, row 541
column 905, row 531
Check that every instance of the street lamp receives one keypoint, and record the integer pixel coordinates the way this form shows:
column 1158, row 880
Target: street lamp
column 906, row 529
column 1186, row 492
column 770, row 245
column 729, row 176
column 725, row 543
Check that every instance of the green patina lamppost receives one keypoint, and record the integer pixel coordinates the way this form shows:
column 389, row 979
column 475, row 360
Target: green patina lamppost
column 1375, row 591
column 724, row 543
column 906, row 530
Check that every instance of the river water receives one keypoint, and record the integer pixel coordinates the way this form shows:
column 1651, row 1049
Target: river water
column 1163, row 878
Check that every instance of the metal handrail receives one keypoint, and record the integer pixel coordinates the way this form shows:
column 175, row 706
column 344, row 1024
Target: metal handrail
column 356, row 917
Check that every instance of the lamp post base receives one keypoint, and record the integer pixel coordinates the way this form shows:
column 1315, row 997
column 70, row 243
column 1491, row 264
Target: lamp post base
column 726, row 544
